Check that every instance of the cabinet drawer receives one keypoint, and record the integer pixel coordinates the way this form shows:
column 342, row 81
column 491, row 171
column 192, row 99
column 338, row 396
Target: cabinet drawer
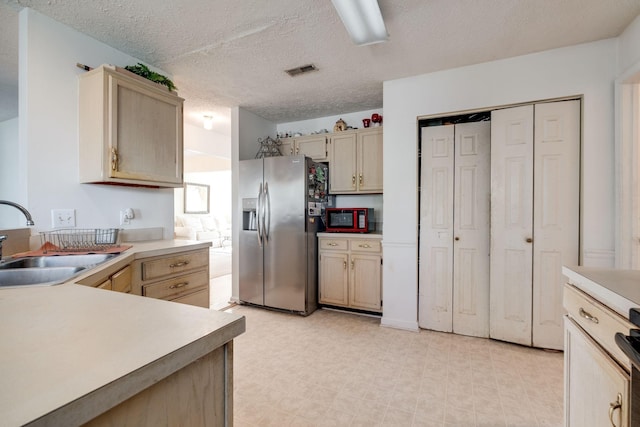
column 174, row 264
column 334, row 244
column 366, row 245
column 178, row 286
column 199, row 298
column 597, row 320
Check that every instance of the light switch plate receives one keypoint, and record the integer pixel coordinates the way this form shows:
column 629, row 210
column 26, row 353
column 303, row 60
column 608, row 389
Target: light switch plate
column 63, row 218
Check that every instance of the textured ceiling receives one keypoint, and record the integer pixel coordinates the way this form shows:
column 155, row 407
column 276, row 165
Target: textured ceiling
column 224, row 53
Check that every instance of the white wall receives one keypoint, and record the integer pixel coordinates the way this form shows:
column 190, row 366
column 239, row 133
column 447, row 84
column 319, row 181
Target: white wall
column 251, row 128
column 210, row 142
column 48, row 105
column 629, row 46
column 306, row 127
column 587, row 70
column 9, row 173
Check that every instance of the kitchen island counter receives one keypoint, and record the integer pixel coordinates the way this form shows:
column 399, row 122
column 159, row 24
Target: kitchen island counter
column 70, row 353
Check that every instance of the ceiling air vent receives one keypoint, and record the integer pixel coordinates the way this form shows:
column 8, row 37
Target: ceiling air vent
column 301, row 70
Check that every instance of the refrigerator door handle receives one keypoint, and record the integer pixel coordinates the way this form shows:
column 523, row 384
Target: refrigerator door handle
column 267, row 212
column 259, row 208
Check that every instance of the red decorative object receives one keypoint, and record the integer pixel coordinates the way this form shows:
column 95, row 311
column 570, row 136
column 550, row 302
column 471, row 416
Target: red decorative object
column 366, row 122
column 376, row 118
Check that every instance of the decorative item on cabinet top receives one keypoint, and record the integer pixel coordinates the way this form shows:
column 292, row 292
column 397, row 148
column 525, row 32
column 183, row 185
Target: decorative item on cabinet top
column 142, row 71
column 269, row 147
column 340, row 126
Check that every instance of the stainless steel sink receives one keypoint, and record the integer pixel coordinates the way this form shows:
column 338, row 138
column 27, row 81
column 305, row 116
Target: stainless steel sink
column 47, row 270
column 37, row 276
column 57, row 261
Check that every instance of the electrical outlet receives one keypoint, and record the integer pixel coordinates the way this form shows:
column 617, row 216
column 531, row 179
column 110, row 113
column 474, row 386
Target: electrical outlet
column 126, row 215
column 63, row 218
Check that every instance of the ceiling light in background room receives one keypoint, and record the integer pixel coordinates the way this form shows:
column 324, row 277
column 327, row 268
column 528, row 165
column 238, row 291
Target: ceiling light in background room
column 208, row 122
column 363, row 20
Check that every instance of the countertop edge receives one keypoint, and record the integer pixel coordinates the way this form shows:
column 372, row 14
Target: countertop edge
column 91, row 405
column 599, row 289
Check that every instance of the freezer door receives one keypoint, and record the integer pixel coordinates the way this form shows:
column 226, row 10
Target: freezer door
column 285, row 243
column 250, row 254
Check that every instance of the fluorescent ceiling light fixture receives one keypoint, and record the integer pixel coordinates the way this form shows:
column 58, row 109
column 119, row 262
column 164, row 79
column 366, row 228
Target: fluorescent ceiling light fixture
column 208, row 122
column 363, row 20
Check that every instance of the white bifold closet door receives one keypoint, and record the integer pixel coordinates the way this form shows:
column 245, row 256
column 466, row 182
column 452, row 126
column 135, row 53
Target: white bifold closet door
column 535, row 166
column 454, row 228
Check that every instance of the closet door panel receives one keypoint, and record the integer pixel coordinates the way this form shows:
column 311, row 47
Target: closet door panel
column 556, row 214
column 436, row 228
column 472, row 186
column 511, row 224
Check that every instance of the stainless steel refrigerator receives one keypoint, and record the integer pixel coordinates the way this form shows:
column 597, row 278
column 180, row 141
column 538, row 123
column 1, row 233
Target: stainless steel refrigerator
column 281, row 200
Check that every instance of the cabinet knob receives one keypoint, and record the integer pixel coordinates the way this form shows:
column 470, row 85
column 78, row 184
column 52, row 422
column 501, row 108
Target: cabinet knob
column 529, row 240
column 353, row 180
column 352, row 264
column 456, row 238
column 344, row 264
column 360, row 180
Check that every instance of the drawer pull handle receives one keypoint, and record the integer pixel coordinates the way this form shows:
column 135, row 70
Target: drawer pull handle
column 588, row 316
column 366, row 245
column 344, row 265
column 179, row 264
column 179, row 285
column 332, row 244
column 613, row 406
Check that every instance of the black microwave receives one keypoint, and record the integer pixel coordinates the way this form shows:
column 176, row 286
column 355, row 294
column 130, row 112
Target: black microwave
column 350, row 220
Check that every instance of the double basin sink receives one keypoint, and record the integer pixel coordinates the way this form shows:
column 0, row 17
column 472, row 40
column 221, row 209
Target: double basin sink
column 47, row 270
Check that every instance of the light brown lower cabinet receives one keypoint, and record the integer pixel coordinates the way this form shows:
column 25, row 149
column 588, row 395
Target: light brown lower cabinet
column 181, row 277
column 597, row 380
column 200, row 394
column 350, row 272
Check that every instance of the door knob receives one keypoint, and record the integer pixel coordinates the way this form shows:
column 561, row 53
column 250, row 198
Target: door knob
column 456, row 238
column 529, row 240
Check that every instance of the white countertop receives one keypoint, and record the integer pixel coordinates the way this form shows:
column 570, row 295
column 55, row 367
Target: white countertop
column 618, row 289
column 73, row 351
column 372, row 235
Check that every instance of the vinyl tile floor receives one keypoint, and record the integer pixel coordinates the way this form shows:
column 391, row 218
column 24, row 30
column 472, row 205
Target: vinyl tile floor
column 340, row 369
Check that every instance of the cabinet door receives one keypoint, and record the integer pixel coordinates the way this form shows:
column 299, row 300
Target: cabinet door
column 145, row 132
column 364, row 280
column 333, row 278
column 342, row 176
column 121, row 281
column 594, row 383
column 312, row 146
column 370, row 161
column 287, row 146
column 511, row 258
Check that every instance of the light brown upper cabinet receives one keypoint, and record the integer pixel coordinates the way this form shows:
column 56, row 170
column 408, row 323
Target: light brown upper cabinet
column 314, row 146
column 130, row 130
column 356, row 162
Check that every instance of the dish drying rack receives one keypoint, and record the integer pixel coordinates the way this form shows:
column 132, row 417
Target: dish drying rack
column 80, row 239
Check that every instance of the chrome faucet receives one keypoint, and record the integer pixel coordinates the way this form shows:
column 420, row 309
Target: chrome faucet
column 21, row 209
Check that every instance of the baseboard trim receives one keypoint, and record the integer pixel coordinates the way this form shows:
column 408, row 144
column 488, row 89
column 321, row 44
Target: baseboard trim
column 399, row 324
